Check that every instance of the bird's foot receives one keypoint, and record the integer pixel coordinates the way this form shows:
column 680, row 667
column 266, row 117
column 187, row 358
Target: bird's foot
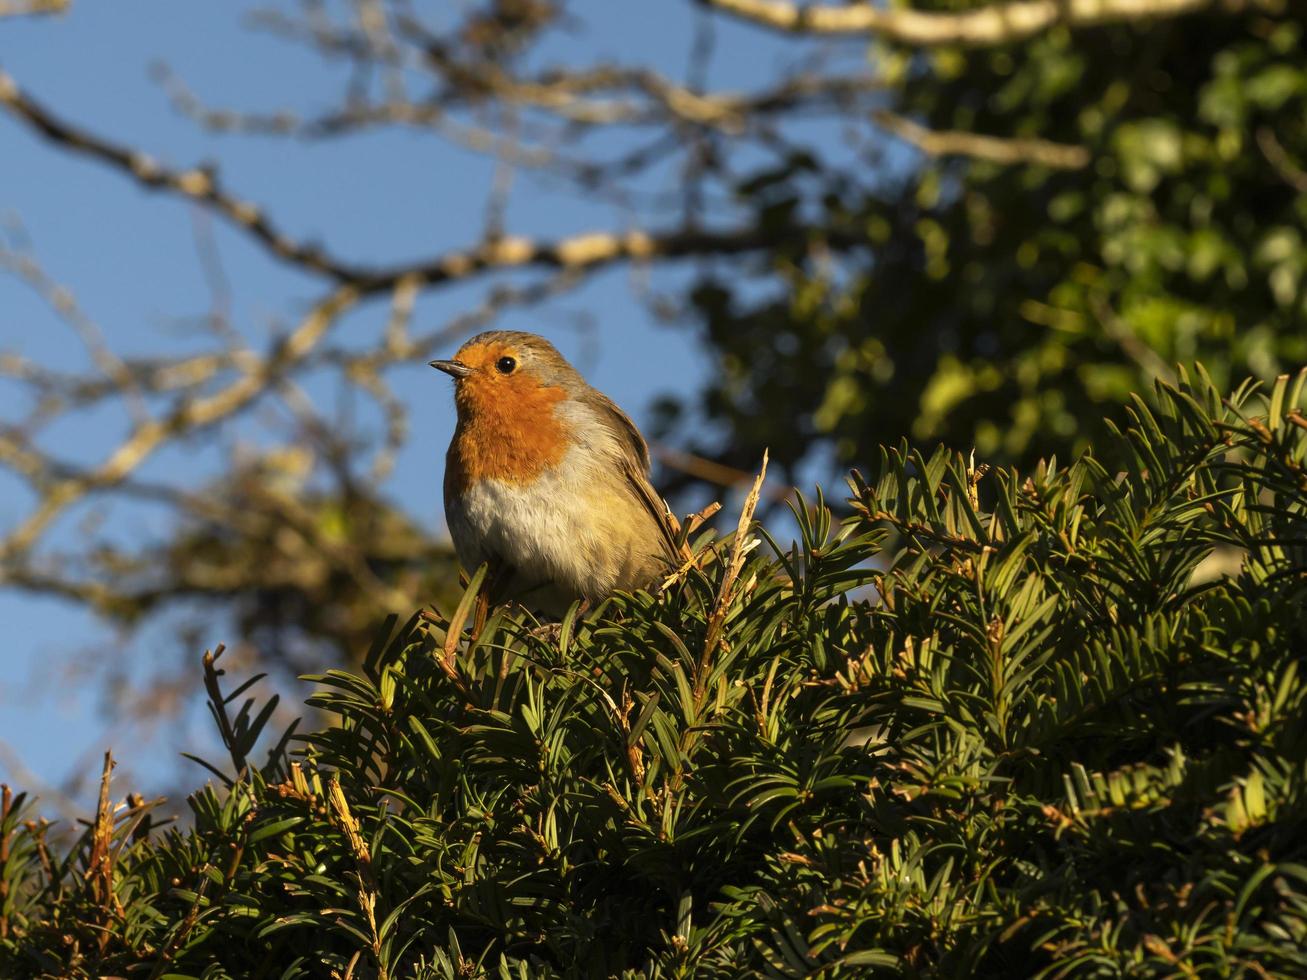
column 549, row 632
column 553, row 632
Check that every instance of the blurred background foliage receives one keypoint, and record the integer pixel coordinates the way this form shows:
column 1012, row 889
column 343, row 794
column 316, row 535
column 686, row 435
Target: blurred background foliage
column 978, row 225
column 1012, row 304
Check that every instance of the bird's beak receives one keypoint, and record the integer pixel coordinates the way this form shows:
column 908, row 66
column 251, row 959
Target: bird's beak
column 455, row 369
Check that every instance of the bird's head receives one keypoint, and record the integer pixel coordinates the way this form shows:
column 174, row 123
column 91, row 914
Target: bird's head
column 503, row 371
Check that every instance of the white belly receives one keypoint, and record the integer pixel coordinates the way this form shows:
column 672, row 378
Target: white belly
column 550, row 531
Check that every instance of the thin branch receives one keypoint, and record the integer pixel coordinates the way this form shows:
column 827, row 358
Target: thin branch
column 198, row 184
column 999, row 23
column 367, row 890
column 1124, row 336
column 189, row 416
column 579, row 252
column 350, row 119
column 62, row 302
column 49, row 793
column 995, row 149
column 1278, row 157
column 710, row 470
column 654, row 100
column 741, row 545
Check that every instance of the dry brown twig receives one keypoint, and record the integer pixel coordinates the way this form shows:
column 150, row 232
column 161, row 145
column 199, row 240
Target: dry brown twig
column 741, row 545
column 366, row 881
column 99, row 865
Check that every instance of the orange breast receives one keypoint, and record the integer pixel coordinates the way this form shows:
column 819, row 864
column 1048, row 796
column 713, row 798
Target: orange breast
column 507, row 431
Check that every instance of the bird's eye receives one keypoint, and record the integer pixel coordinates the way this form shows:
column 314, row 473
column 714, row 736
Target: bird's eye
column 505, row 365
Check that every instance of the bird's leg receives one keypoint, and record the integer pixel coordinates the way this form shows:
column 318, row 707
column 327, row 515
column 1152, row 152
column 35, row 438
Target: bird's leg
column 553, row 632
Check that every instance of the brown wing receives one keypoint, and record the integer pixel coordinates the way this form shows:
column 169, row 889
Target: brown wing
column 635, row 466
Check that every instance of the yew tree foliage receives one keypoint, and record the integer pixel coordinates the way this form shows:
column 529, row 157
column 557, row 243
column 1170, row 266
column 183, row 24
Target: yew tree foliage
column 989, row 725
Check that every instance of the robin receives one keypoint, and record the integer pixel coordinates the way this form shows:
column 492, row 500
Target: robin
column 546, row 479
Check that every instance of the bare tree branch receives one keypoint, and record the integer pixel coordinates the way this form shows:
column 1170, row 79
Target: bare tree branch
column 579, row 252
column 999, row 23
column 598, row 97
column 189, row 416
column 200, row 185
column 1008, row 151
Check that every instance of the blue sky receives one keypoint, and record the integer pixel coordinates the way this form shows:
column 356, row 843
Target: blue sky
column 130, row 258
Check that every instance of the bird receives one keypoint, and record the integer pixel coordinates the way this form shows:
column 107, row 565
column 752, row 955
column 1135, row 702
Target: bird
column 547, row 480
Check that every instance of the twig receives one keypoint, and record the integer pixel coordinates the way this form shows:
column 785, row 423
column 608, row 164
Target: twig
column 183, row 929
column 367, row 885
column 99, row 866
column 1278, row 157
column 198, row 184
column 1131, row 345
column 18, row 770
column 995, row 149
column 740, row 548
column 190, row 416
column 709, row 470
column 64, row 304
column 586, row 251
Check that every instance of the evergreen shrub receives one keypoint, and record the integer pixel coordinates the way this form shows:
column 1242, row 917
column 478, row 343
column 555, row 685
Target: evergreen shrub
column 988, row 724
